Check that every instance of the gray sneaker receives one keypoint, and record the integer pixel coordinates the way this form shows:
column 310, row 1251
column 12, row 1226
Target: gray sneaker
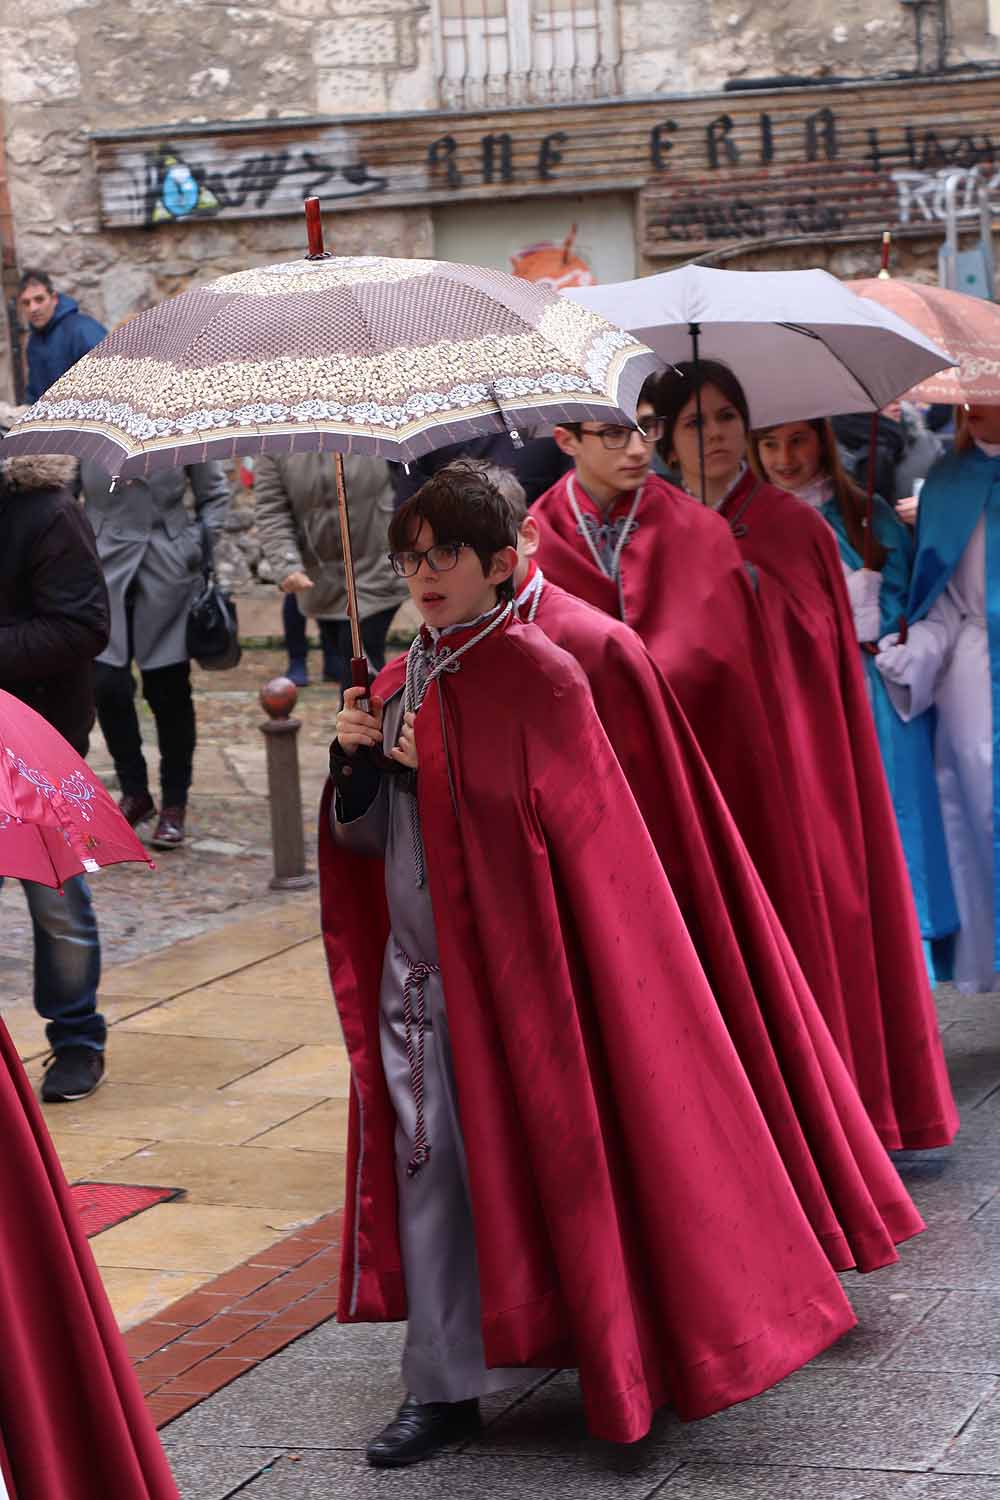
column 73, row 1073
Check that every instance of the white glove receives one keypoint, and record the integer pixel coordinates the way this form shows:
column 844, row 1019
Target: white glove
column 864, row 587
column 894, row 661
column 910, row 672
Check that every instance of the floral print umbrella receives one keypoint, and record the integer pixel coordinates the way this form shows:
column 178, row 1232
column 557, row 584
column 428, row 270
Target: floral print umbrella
column 359, row 354
column 56, row 819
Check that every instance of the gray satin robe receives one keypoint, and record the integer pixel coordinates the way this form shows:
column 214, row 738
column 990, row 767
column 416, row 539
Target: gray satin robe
column 443, row 1355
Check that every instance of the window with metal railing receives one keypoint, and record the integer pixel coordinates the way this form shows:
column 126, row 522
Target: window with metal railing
column 494, row 53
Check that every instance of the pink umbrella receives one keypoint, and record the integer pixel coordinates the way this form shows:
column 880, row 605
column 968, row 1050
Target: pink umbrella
column 967, row 327
column 56, row 819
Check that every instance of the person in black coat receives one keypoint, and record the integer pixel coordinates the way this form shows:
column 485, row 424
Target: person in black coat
column 54, row 619
column 538, row 464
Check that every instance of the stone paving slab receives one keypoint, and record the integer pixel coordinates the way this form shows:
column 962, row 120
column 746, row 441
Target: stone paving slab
column 331, row 1476
column 727, row 1482
column 961, row 1333
column 216, row 1472
column 976, row 1449
column 861, row 1418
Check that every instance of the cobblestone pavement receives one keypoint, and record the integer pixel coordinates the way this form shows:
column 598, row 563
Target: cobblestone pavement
column 906, row 1407
column 223, row 871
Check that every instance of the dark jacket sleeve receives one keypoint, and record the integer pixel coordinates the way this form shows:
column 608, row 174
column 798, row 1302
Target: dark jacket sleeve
column 356, row 782
column 212, row 494
column 70, row 618
column 33, row 387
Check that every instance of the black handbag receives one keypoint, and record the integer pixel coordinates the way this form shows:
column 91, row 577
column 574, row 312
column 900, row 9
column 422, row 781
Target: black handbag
column 213, row 635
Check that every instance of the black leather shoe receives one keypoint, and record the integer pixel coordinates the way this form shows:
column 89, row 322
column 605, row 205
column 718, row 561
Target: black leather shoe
column 422, row 1428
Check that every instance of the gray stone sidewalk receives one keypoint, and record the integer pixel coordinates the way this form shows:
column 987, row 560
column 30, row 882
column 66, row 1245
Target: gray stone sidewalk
column 906, row 1407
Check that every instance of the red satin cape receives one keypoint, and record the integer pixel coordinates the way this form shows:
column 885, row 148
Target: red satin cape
column 632, row 1216
column 73, row 1423
column 886, row 1025
column 688, row 596
column 849, row 1189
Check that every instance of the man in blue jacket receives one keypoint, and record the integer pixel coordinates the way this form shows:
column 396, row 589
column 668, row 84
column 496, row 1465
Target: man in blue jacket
column 60, row 333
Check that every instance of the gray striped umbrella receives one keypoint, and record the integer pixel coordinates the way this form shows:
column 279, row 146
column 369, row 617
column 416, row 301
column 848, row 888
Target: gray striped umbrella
column 358, row 354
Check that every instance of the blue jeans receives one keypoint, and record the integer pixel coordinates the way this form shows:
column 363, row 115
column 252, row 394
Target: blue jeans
column 67, row 963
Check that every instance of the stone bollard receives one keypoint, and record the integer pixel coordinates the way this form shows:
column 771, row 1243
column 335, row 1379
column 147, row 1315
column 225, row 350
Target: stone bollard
column 278, row 697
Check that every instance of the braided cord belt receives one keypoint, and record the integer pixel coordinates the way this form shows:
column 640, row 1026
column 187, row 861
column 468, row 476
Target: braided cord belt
column 415, row 1024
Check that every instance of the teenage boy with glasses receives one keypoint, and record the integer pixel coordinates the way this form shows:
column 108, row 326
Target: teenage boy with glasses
column 555, row 1157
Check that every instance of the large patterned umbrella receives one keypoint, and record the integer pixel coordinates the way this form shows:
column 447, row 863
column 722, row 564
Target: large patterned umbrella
column 358, row 354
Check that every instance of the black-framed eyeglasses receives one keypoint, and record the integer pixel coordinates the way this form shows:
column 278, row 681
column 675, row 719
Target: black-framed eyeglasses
column 442, row 557
column 650, row 429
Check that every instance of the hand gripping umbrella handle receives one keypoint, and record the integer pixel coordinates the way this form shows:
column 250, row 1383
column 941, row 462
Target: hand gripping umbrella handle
column 360, row 678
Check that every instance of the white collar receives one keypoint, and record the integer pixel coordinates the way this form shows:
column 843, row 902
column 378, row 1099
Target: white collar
column 816, row 493
column 991, row 450
column 439, row 635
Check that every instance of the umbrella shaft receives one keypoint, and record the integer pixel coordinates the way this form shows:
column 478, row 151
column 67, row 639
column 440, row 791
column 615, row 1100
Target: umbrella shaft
column 357, row 650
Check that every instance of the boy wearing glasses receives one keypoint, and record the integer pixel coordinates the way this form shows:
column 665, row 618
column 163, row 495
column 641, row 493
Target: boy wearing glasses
column 645, row 552
column 555, row 1158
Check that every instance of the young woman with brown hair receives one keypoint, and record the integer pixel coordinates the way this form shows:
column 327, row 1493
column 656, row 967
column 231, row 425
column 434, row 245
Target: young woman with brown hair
column 877, row 1003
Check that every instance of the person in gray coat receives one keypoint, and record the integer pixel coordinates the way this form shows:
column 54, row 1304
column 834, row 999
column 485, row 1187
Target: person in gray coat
column 150, row 547
column 295, row 503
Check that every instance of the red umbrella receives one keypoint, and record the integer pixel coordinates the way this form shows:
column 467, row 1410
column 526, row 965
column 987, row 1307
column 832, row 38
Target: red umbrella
column 968, row 327
column 56, row 819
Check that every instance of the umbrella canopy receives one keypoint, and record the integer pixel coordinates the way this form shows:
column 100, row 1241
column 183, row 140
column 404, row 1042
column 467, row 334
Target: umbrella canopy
column 796, row 340
column 56, row 819
column 357, row 354
column 968, row 327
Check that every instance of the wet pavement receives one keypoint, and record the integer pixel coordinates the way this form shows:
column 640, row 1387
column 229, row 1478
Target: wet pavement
column 906, row 1407
column 227, row 1078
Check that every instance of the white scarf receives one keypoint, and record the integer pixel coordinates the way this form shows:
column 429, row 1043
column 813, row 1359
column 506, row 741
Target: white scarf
column 816, row 493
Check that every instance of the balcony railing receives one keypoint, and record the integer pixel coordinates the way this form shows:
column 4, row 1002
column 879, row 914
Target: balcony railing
column 495, row 53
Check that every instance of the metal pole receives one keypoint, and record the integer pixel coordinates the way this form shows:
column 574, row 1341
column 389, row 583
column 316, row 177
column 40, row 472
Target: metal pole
column 695, row 331
column 284, row 791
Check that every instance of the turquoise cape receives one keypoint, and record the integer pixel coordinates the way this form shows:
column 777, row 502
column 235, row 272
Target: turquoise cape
column 908, row 750
column 959, row 489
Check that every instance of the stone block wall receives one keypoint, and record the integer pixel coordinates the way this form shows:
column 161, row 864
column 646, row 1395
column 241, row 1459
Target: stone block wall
column 700, row 44
column 78, row 65
column 82, row 66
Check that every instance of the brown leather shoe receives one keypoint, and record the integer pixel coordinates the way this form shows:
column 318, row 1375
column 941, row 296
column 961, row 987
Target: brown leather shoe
column 169, row 831
column 136, row 807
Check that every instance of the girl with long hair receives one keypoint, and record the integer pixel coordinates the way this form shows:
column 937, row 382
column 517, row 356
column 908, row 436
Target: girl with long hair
column 803, row 458
column 877, row 999
column 951, row 661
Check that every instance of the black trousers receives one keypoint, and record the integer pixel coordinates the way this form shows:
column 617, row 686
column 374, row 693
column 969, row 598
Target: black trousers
column 167, row 690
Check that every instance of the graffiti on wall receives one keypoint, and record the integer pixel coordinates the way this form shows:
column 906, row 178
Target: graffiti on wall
column 921, row 197
column 710, row 170
column 176, row 185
